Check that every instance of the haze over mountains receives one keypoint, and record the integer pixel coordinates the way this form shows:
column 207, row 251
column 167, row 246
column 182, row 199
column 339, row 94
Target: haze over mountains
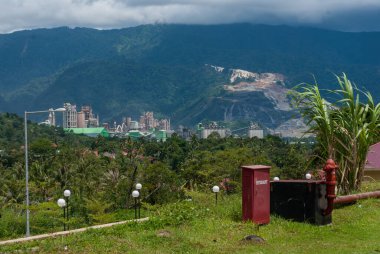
column 184, row 72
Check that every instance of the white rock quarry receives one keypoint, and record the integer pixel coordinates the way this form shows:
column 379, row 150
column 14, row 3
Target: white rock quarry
column 271, row 84
column 241, row 74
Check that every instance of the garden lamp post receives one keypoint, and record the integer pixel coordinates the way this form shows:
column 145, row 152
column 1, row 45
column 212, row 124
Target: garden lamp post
column 62, row 204
column 27, row 162
column 67, row 194
column 138, row 188
column 216, row 189
column 135, row 195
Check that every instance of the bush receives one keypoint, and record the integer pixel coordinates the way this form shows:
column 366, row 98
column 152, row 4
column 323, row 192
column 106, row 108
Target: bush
column 12, row 223
column 161, row 185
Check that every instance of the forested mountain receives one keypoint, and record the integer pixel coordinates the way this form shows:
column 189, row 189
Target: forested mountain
column 180, row 71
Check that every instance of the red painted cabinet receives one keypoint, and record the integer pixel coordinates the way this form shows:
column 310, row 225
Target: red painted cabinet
column 256, row 193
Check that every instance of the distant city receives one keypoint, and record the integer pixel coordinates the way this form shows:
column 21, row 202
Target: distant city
column 87, row 123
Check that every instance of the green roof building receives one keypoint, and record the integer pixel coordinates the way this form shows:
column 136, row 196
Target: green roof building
column 161, row 135
column 135, row 134
column 92, row 132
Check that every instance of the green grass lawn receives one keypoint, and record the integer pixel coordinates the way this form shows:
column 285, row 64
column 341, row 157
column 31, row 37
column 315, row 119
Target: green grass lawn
column 199, row 226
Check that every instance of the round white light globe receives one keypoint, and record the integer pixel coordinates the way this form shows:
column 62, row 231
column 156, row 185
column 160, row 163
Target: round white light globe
column 308, row 176
column 61, row 202
column 276, row 178
column 135, row 194
column 215, row 188
column 67, row 193
column 138, row 186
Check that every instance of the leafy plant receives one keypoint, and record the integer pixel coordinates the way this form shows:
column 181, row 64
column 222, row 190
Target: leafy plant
column 344, row 129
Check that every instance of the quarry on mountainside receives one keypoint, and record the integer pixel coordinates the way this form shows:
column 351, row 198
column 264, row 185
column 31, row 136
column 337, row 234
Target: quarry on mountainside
column 244, row 89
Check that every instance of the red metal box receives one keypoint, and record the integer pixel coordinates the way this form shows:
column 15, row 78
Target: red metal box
column 256, row 193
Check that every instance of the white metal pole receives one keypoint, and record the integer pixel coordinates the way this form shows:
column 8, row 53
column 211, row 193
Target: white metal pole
column 26, row 175
column 27, row 162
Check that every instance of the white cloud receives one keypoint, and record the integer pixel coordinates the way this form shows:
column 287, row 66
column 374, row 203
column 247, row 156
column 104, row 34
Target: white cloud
column 26, row 14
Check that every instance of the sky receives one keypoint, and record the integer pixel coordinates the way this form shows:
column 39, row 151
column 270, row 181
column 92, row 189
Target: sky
column 344, row 15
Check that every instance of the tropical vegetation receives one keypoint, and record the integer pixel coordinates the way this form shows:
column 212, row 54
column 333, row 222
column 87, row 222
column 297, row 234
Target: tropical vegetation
column 102, row 173
column 345, row 126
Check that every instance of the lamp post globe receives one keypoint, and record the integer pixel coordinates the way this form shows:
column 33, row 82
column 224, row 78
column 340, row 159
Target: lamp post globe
column 67, row 193
column 61, row 202
column 308, row 176
column 215, row 189
column 135, row 194
column 138, row 188
column 276, row 178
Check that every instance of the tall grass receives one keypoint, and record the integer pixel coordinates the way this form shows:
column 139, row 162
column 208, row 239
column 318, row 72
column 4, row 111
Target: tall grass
column 345, row 128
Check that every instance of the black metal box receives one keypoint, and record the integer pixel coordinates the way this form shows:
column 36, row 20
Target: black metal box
column 299, row 200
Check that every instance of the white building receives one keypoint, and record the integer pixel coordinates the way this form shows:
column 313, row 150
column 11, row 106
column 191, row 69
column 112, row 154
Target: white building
column 207, row 132
column 255, row 133
column 70, row 117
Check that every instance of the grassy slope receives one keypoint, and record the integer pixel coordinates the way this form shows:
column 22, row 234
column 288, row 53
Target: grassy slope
column 355, row 229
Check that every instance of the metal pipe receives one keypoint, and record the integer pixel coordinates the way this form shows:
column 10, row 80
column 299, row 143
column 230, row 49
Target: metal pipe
column 355, row 197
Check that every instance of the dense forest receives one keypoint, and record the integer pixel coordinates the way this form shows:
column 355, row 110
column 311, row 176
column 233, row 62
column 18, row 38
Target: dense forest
column 102, row 173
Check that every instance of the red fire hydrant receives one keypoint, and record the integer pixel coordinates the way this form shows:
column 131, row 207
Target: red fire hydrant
column 329, row 169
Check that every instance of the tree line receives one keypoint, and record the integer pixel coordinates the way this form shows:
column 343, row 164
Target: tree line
column 106, row 170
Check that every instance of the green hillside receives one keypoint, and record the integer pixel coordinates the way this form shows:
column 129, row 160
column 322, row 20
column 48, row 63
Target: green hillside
column 162, row 68
column 27, row 55
column 120, row 88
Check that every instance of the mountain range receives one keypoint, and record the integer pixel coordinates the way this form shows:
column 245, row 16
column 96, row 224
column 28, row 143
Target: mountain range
column 189, row 73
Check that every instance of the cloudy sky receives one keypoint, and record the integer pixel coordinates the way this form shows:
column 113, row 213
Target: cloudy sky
column 347, row 15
